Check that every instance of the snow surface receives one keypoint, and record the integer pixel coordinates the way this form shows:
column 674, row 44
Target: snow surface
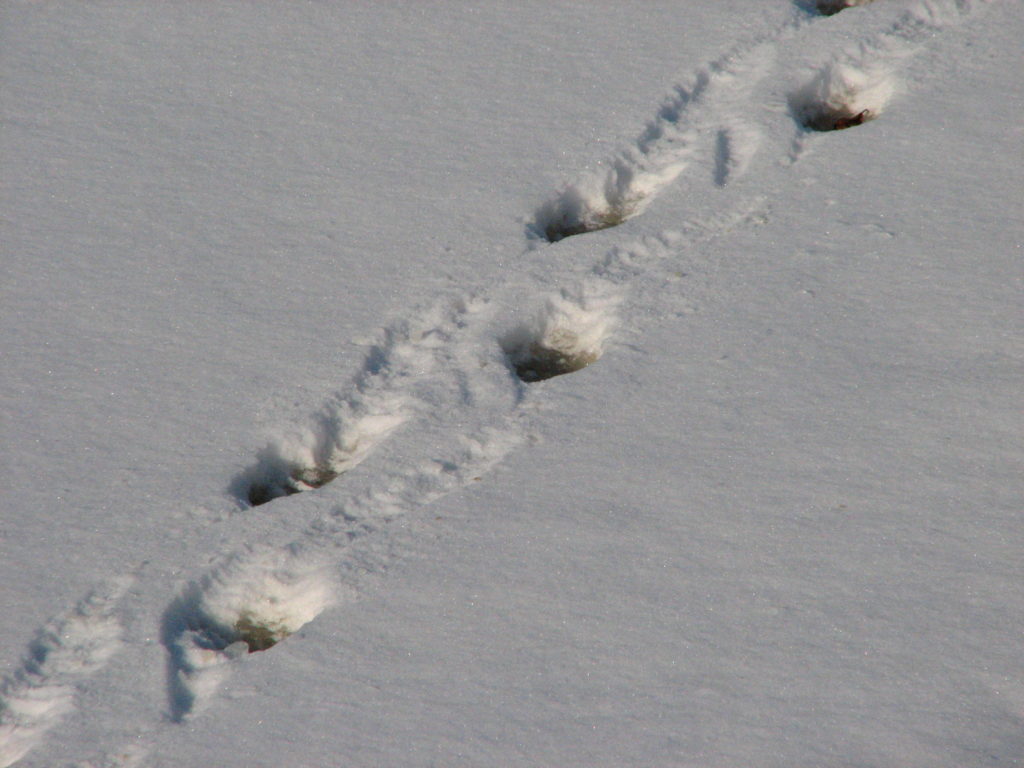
column 269, row 273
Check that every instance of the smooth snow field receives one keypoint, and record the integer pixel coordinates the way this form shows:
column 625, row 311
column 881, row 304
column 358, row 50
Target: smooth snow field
column 512, row 384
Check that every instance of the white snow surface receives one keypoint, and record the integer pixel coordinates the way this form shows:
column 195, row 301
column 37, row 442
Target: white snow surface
column 269, row 271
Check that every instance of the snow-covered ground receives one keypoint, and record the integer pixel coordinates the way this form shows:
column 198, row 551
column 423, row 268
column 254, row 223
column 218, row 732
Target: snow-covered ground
column 278, row 278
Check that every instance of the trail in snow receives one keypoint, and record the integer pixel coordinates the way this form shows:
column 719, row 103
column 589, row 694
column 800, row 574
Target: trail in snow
column 453, row 364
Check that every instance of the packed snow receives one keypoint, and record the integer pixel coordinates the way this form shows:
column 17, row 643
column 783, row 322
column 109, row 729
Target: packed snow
column 537, row 383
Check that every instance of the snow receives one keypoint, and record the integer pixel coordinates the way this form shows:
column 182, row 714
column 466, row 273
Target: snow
column 269, row 274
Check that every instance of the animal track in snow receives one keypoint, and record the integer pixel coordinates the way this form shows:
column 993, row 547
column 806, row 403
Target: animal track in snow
column 260, row 596
column 566, row 336
column 67, row 650
column 248, row 604
column 601, row 202
column 857, row 84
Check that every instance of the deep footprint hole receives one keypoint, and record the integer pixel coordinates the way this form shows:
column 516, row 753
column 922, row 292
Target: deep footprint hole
column 276, row 474
column 257, row 635
column 827, row 119
column 832, row 7
column 297, row 479
column 247, row 635
column 539, row 362
column 576, row 212
column 567, row 225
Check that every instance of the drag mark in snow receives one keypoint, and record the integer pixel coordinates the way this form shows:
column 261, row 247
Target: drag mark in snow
column 466, row 459
column 69, row 649
column 735, row 147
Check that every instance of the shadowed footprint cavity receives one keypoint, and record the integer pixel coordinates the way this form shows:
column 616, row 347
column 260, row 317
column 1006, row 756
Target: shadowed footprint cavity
column 571, row 214
column 556, row 356
column 565, row 337
column 259, row 634
column 831, row 7
column 275, row 475
column 841, row 96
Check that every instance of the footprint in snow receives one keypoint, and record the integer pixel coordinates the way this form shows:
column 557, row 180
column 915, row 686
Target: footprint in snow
column 246, row 605
column 566, row 336
column 36, row 695
column 841, row 96
column 343, row 436
column 348, row 429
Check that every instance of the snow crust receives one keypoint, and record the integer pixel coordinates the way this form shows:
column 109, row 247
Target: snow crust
column 512, row 384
